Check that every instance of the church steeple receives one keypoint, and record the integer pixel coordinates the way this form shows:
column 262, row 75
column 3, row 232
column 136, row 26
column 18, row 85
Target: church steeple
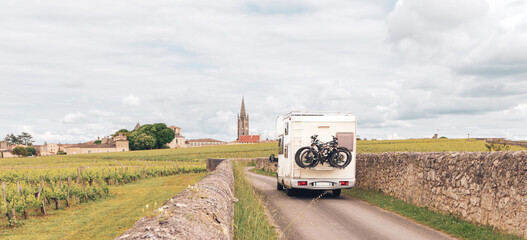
column 242, row 111
column 243, row 121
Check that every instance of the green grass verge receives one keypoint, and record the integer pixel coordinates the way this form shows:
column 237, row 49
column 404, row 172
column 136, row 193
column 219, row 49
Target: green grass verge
column 446, row 223
column 263, row 172
column 250, row 221
column 105, row 218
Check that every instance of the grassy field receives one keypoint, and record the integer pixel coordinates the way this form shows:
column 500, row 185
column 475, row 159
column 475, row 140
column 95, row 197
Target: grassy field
column 112, row 171
column 105, row 218
column 122, row 166
column 442, row 222
column 163, row 157
column 424, row 145
column 263, row 172
column 250, row 221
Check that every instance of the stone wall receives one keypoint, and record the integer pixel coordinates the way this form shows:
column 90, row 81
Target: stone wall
column 203, row 211
column 263, row 163
column 485, row 188
column 488, row 188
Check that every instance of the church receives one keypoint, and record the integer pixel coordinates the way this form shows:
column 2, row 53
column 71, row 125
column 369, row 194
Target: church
column 243, row 127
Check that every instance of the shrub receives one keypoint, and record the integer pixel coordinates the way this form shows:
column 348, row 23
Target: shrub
column 20, row 151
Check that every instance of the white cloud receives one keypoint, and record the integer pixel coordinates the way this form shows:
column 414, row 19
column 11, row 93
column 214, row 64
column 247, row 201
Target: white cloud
column 393, row 136
column 518, row 112
column 99, row 113
column 131, row 100
column 402, row 69
column 73, row 118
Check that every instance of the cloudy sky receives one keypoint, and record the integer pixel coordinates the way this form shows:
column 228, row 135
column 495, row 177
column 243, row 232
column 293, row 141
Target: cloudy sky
column 74, row 70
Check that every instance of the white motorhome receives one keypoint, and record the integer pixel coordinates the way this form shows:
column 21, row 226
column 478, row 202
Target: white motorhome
column 294, row 131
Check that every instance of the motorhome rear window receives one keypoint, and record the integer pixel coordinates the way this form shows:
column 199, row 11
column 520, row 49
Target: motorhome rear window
column 346, row 140
column 307, row 115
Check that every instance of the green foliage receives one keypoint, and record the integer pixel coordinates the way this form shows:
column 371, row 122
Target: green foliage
column 497, row 146
column 102, row 219
column 446, row 223
column 24, row 138
column 250, row 221
column 425, row 145
column 144, row 142
column 91, row 185
column 122, row 131
column 195, row 156
column 97, row 142
column 141, row 139
column 61, row 153
column 263, row 172
column 102, row 171
column 163, row 137
column 31, row 151
column 12, row 139
column 20, row 151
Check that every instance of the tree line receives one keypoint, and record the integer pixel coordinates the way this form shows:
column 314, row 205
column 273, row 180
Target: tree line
column 149, row 136
column 22, row 139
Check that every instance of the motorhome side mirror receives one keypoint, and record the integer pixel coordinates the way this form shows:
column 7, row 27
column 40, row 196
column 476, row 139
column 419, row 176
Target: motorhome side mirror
column 272, row 158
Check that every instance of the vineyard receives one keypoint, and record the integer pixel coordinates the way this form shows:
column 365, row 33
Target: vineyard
column 425, row 145
column 33, row 186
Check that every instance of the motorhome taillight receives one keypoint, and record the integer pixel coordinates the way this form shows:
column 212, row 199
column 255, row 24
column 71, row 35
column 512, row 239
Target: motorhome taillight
column 344, row 183
column 302, row 183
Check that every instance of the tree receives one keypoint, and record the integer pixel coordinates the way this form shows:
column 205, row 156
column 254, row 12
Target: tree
column 158, row 131
column 20, row 151
column 99, row 142
column 144, row 142
column 123, row 131
column 25, row 138
column 31, row 151
column 164, row 136
column 11, row 139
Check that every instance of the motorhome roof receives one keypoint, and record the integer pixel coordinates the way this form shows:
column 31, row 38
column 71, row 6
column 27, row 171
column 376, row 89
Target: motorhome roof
column 317, row 114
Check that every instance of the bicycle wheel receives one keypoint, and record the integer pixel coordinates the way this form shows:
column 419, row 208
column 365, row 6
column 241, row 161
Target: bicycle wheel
column 305, row 157
column 340, row 158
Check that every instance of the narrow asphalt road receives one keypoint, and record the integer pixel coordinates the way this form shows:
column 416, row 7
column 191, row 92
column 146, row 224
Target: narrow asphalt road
column 309, row 216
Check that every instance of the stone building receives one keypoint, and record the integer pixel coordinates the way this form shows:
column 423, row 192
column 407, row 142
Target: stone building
column 243, row 121
column 204, row 142
column 4, row 150
column 6, row 153
column 179, row 140
column 117, row 143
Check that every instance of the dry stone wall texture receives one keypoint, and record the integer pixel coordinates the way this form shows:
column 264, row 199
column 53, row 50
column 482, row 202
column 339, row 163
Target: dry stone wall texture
column 203, row 211
column 263, row 163
column 489, row 188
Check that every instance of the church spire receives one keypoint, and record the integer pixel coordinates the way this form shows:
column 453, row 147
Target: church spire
column 242, row 112
column 243, row 121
